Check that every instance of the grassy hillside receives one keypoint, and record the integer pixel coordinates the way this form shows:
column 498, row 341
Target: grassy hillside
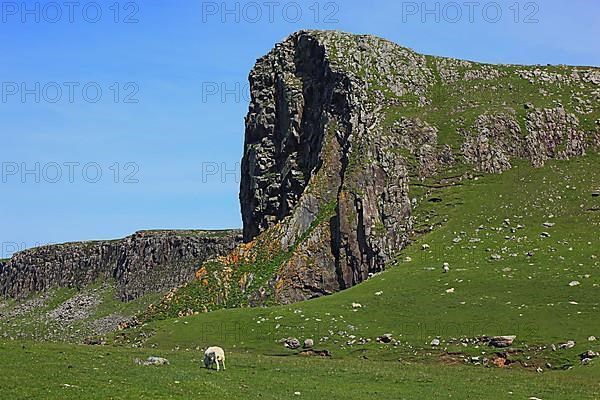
column 510, row 274
column 508, row 277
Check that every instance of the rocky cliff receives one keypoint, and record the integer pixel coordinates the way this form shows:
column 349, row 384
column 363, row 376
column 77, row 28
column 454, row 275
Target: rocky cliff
column 342, row 128
column 345, row 136
column 146, row 262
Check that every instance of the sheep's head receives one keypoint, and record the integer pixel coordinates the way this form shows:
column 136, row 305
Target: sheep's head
column 209, row 359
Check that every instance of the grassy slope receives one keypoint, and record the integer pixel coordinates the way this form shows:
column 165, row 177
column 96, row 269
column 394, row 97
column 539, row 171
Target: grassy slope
column 532, row 300
column 35, row 324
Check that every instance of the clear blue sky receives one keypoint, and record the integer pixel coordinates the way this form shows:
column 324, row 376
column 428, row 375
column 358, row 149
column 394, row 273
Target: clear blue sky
column 174, row 55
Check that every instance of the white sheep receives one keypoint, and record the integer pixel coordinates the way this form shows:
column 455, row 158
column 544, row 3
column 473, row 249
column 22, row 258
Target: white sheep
column 213, row 355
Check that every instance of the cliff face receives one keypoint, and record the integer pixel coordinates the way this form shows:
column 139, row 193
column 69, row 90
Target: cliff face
column 316, row 160
column 343, row 123
column 143, row 263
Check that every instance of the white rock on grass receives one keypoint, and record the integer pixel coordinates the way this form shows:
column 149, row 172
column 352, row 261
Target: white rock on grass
column 291, row 343
column 152, row 361
column 568, row 345
column 574, row 283
column 502, row 341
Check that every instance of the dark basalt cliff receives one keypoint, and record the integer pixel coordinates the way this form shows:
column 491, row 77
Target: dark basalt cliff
column 309, row 131
column 146, row 262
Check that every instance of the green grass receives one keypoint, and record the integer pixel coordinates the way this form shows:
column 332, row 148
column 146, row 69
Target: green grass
column 455, row 106
column 56, row 371
column 528, row 296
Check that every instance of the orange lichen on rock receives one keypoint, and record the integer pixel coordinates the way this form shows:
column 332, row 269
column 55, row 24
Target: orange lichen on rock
column 200, row 273
column 500, row 362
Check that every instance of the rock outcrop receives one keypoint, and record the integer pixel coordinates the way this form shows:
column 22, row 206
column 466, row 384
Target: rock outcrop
column 146, row 262
column 317, row 160
column 344, row 134
column 335, row 123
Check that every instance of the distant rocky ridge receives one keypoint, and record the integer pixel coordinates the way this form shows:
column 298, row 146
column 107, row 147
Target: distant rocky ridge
column 146, row 262
column 343, row 135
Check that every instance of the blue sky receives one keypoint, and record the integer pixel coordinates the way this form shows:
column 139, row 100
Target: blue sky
column 160, row 132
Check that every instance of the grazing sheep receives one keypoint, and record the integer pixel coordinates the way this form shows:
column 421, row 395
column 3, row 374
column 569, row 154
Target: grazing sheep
column 213, row 355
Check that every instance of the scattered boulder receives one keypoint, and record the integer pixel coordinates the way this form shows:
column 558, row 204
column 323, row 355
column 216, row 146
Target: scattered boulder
column 425, row 247
column 588, row 354
column 592, row 339
column 435, row 342
column 291, row 343
column 574, row 283
column 568, row 345
column 446, row 267
column 309, row 343
column 502, row 341
column 152, row 361
column 94, row 341
column 385, row 338
column 356, row 305
column 311, row 352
